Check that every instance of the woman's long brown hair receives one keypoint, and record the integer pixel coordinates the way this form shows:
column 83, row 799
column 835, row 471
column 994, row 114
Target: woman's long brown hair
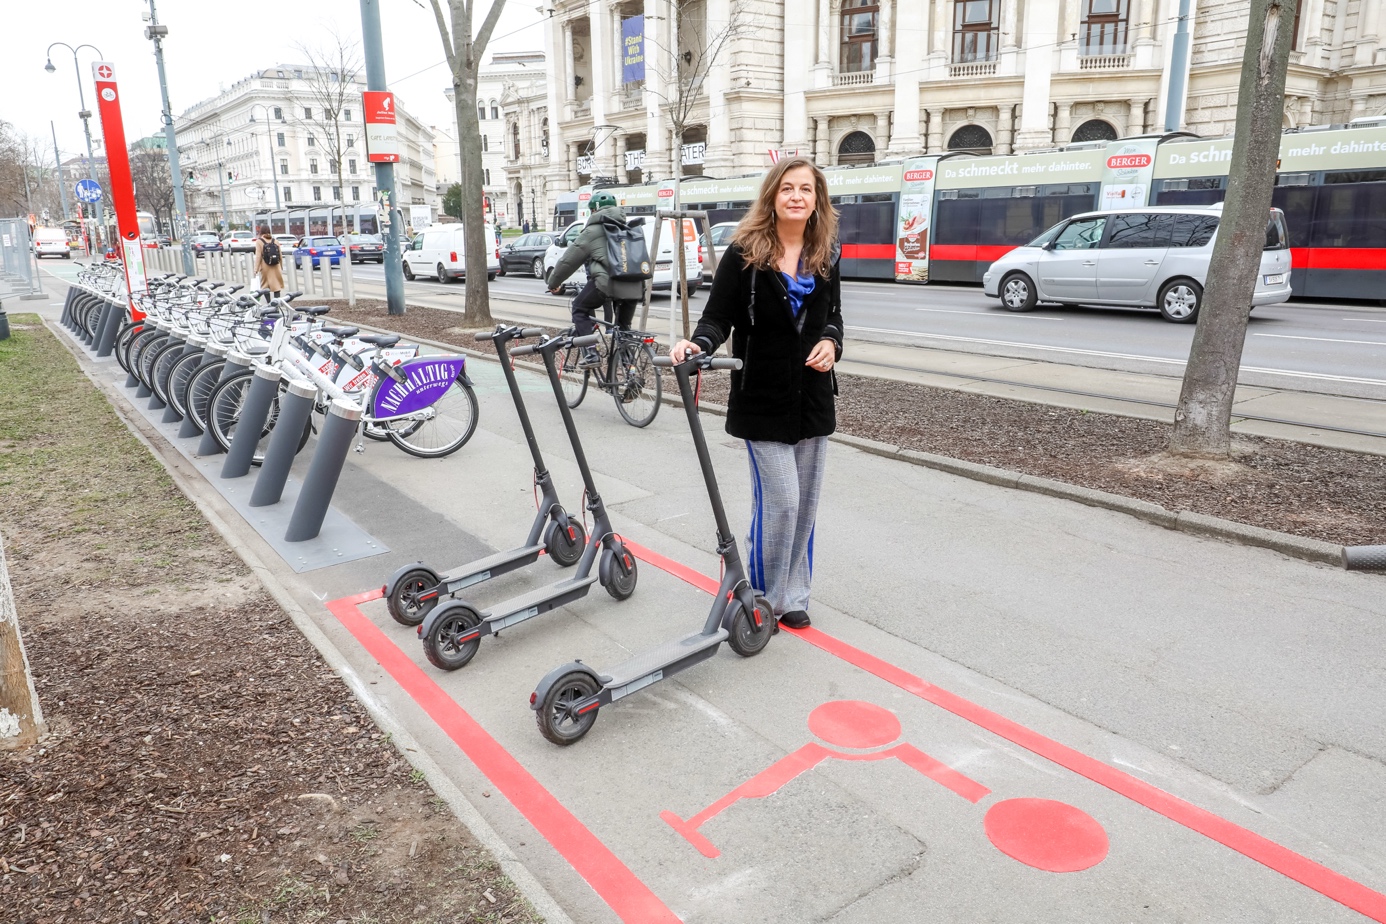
column 758, row 238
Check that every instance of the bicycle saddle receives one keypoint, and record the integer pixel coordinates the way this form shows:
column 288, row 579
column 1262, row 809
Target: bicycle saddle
column 341, row 333
column 255, row 349
column 314, row 310
column 380, row 340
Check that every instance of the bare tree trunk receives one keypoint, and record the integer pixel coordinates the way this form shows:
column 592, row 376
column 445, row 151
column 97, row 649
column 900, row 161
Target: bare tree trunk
column 1202, row 422
column 21, row 720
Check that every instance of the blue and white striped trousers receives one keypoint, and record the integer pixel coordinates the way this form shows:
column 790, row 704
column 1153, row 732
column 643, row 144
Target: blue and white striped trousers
column 786, row 481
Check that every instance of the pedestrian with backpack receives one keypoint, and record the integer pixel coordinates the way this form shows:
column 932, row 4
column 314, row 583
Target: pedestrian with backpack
column 777, row 297
column 617, row 261
column 269, row 260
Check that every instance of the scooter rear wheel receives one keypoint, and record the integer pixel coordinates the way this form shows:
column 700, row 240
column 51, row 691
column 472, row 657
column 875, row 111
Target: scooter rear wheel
column 441, row 645
column 405, row 606
column 617, row 572
column 565, row 546
column 745, row 638
column 557, row 720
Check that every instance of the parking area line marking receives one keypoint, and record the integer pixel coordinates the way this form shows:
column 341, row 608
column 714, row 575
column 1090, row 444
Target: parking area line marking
column 612, row 880
column 1321, row 339
column 633, row 901
column 988, row 314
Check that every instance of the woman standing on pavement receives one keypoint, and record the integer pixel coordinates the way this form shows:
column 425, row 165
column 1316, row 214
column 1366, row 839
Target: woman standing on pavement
column 777, row 296
column 270, row 268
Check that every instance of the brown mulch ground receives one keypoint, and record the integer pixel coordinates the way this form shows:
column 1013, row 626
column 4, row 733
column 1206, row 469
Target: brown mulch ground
column 1330, row 494
column 204, row 763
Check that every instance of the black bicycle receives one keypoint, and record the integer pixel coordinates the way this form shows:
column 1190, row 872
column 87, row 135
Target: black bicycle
column 626, row 372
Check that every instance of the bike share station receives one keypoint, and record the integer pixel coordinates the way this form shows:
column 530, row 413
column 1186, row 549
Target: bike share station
column 855, row 771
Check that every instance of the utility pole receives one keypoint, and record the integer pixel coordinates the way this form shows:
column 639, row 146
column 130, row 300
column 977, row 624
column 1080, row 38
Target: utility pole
column 1178, row 71
column 155, row 33
column 85, row 115
column 57, row 156
column 374, row 53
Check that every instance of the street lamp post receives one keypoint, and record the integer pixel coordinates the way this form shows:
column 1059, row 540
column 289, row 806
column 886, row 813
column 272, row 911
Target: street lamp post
column 269, row 138
column 221, row 179
column 86, row 123
column 155, row 33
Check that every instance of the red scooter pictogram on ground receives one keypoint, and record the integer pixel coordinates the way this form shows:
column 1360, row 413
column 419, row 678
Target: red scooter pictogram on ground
column 1048, row 835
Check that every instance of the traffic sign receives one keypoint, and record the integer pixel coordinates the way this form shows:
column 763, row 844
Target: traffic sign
column 88, row 191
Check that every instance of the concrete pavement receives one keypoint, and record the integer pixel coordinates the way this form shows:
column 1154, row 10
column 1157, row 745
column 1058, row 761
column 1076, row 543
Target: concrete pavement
column 1196, row 728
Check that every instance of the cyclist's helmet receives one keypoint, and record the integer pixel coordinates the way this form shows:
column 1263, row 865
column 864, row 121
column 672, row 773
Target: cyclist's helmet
column 601, row 200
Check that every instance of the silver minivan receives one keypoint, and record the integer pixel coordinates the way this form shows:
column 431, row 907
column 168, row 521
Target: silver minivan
column 1145, row 258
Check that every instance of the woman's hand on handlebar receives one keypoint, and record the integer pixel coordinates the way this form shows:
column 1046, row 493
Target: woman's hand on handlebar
column 684, row 349
column 822, row 356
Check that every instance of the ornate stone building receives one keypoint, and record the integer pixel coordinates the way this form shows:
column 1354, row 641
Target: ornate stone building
column 857, row 81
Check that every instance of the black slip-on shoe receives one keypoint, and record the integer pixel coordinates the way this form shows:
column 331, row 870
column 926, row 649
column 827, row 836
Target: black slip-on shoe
column 795, row 619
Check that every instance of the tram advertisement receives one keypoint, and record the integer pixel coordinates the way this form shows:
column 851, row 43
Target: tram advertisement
column 1127, row 172
column 912, row 220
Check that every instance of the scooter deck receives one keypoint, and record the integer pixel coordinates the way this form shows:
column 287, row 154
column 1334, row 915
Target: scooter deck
column 663, row 660
column 483, row 569
column 526, row 606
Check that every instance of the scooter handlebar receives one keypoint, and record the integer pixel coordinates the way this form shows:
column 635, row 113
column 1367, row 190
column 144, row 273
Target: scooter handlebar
column 702, row 360
column 585, row 341
column 521, row 332
column 525, row 350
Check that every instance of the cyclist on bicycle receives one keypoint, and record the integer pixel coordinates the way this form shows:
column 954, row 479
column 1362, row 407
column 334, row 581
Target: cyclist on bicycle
column 589, row 249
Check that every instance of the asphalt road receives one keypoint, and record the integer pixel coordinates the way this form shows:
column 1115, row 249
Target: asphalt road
column 1336, row 347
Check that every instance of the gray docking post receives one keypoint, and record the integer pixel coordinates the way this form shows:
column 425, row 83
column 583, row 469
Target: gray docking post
column 250, row 426
column 295, row 406
column 1364, row 557
column 210, row 355
column 334, row 442
column 110, row 326
column 235, row 362
column 72, row 292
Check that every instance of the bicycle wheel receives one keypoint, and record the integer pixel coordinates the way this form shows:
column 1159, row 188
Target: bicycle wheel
column 224, row 411
column 636, row 386
column 145, row 339
column 573, row 377
column 127, row 336
column 451, row 423
column 178, row 377
column 197, row 393
column 144, row 369
column 162, row 366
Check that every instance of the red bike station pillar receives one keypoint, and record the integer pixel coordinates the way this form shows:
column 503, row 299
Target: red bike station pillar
column 123, row 197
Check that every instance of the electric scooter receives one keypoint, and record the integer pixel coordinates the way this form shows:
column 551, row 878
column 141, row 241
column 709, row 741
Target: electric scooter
column 452, row 632
column 412, row 591
column 567, row 699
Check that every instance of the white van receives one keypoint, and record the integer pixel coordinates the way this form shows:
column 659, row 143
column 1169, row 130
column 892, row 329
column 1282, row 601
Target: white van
column 440, row 252
column 51, row 242
column 664, row 271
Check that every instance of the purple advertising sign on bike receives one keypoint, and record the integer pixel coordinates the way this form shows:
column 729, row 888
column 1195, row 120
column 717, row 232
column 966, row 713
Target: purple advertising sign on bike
column 426, row 380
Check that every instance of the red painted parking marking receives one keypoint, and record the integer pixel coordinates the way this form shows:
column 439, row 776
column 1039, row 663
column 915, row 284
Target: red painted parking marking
column 1266, row 852
column 1048, row 835
column 611, row 879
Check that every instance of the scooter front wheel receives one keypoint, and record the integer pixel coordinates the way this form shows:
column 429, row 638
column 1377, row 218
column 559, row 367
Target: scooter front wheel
column 443, row 645
column 405, row 606
column 617, row 572
column 746, row 638
column 558, row 718
column 565, row 545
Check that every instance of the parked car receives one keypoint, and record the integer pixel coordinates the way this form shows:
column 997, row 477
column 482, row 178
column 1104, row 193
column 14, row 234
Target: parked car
column 51, row 242
column 722, row 232
column 1145, row 258
column 205, row 243
column 239, row 242
column 525, row 254
column 317, row 249
column 286, row 242
column 664, row 271
column 441, row 253
column 365, row 247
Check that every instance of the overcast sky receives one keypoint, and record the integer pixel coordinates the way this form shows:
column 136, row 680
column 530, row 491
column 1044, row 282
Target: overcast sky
column 212, row 44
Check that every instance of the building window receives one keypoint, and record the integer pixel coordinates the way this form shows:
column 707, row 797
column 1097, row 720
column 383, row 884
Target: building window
column 283, row 168
column 288, row 194
column 298, row 73
column 317, row 193
column 975, row 30
column 356, row 194
column 351, row 166
column 279, row 113
column 336, row 193
column 859, row 20
column 279, row 137
column 515, row 141
column 856, row 148
column 351, row 141
column 1095, row 130
column 973, row 139
column 1104, row 27
column 307, row 112
column 495, row 111
column 312, row 166
column 487, row 181
column 346, row 115
column 485, row 145
column 312, row 142
column 544, row 139
column 481, row 111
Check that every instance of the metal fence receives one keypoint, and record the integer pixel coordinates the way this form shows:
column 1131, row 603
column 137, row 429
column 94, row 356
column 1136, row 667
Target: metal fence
column 18, row 270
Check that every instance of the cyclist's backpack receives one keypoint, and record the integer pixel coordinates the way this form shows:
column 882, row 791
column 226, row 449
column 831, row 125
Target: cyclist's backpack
column 627, row 255
column 269, row 253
